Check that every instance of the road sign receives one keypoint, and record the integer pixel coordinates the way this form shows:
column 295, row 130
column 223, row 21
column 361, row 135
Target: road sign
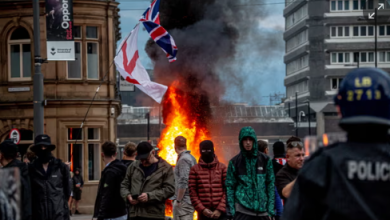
column 15, row 135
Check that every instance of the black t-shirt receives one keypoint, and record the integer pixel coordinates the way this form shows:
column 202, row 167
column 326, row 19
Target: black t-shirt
column 285, row 176
column 150, row 169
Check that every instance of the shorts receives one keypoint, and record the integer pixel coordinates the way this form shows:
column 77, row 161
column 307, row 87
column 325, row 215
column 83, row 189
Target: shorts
column 77, row 195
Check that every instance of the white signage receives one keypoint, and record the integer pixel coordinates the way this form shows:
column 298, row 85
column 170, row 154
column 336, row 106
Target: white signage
column 19, row 89
column 60, row 50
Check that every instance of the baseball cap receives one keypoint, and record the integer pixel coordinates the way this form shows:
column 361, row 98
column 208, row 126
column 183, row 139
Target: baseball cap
column 40, row 140
column 9, row 148
column 143, row 150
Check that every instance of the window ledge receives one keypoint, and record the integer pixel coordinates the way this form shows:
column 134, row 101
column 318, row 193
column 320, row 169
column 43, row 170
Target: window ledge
column 331, row 92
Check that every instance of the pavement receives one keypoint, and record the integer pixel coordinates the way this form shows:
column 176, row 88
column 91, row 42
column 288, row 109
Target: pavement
column 81, row 217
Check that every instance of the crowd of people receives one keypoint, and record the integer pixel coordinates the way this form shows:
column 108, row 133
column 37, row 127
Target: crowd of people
column 342, row 181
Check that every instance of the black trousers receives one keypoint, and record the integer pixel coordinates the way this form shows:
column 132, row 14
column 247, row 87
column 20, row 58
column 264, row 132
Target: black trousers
column 240, row 216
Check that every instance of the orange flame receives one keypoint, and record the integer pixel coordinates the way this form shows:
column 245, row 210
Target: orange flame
column 180, row 123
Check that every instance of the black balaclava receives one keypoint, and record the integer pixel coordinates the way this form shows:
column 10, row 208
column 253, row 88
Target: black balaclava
column 44, row 156
column 208, row 155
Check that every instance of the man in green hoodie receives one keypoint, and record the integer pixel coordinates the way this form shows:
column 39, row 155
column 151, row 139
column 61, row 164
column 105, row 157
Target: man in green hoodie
column 250, row 181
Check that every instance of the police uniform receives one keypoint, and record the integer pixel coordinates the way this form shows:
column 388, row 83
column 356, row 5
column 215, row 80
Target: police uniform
column 350, row 180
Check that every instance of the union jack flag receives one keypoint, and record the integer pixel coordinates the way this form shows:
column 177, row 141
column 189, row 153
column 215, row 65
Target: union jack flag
column 152, row 13
column 162, row 38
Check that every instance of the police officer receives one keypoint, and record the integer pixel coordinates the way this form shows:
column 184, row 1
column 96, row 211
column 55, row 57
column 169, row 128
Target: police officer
column 350, row 180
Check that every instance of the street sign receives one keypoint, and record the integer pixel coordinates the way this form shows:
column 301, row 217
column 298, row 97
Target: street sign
column 15, row 135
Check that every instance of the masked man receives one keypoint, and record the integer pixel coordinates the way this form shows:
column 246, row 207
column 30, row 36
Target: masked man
column 50, row 186
column 207, row 184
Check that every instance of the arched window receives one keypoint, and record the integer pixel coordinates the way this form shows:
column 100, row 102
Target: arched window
column 19, row 54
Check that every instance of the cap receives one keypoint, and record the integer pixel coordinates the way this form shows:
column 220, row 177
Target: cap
column 40, row 140
column 143, row 150
column 9, row 148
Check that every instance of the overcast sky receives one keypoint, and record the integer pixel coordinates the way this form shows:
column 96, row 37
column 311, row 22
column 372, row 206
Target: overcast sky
column 269, row 81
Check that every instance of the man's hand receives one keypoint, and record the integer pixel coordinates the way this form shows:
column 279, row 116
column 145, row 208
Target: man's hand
column 143, row 197
column 131, row 200
column 207, row 212
column 216, row 214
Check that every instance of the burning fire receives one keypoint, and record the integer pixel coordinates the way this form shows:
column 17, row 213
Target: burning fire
column 181, row 120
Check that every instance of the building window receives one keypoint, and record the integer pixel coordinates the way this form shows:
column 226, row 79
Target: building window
column 92, row 32
column 355, row 31
column 363, row 31
column 333, row 5
column 301, row 87
column 19, row 56
column 333, row 31
column 298, row 64
column 370, row 30
column 92, row 60
column 363, row 57
column 355, row 4
column 93, row 153
column 381, row 30
column 388, row 57
column 341, row 57
column 297, row 40
column 87, row 46
column 77, row 154
column 74, row 67
column 346, row 31
column 346, row 4
column 77, row 32
column 340, row 31
column 335, row 83
column 382, row 57
column 340, row 5
column 297, row 16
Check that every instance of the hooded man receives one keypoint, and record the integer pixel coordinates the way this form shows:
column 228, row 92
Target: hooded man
column 49, row 182
column 350, row 180
column 78, row 184
column 250, row 181
column 207, row 184
column 8, row 154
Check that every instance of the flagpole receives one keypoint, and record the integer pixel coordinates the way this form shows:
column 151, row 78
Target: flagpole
column 97, row 90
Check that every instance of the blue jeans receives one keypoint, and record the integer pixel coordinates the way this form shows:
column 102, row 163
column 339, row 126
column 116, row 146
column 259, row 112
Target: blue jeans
column 278, row 204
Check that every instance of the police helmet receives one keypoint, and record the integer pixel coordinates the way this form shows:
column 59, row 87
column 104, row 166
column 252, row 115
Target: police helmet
column 364, row 97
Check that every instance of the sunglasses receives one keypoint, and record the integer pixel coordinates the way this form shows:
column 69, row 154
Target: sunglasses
column 295, row 144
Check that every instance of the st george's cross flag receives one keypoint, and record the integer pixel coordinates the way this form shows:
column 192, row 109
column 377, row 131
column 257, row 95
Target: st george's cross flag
column 130, row 67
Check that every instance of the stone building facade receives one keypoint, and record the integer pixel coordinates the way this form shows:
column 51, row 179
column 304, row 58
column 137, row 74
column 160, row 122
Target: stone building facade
column 69, row 86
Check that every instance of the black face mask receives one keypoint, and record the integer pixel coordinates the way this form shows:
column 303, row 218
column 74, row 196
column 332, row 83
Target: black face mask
column 44, row 156
column 207, row 151
column 207, row 157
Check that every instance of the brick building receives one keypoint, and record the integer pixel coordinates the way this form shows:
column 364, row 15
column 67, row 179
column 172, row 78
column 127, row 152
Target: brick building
column 68, row 86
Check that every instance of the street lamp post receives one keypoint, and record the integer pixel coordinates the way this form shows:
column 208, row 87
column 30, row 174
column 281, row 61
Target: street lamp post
column 376, row 37
column 38, row 77
column 296, row 113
